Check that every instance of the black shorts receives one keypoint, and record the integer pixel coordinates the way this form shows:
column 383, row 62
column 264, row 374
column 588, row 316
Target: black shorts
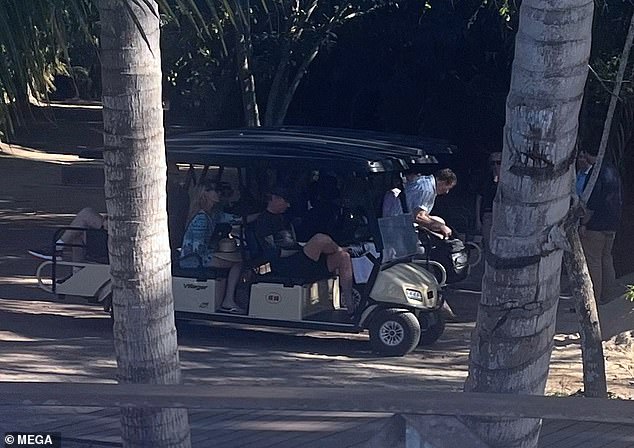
column 299, row 265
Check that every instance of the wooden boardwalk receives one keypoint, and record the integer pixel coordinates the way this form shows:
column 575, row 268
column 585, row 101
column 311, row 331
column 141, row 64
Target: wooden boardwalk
column 84, row 427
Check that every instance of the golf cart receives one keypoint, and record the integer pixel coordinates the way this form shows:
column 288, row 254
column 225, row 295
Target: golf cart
column 399, row 299
column 454, row 256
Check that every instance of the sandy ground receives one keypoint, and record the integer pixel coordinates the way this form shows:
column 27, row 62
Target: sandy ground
column 617, row 321
column 33, row 196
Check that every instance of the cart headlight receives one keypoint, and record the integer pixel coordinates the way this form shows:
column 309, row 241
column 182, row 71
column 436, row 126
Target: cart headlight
column 414, row 294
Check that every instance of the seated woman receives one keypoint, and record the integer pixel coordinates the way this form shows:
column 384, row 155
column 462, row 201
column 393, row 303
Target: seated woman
column 197, row 248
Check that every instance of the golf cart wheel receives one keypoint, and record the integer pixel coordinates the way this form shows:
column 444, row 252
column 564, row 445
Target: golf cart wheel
column 394, row 332
column 432, row 326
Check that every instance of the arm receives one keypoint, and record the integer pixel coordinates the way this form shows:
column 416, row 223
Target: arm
column 594, row 201
column 423, row 219
column 264, row 233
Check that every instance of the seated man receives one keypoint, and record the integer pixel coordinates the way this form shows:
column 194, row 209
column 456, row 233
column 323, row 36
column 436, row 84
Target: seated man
column 87, row 218
column 320, row 256
column 94, row 244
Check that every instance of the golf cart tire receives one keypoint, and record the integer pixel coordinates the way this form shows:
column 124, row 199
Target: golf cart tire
column 432, row 326
column 394, row 332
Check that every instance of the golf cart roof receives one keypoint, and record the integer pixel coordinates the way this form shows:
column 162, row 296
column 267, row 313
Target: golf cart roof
column 390, row 143
column 336, row 149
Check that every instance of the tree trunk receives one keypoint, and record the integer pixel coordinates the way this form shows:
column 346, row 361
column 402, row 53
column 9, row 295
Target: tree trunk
column 607, row 125
column 247, row 80
column 280, row 82
column 594, row 381
column 512, row 341
column 282, row 110
column 135, row 169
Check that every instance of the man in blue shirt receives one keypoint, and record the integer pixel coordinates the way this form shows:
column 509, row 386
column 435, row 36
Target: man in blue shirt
column 583, row 169
column 421, row 195
column 599, row 226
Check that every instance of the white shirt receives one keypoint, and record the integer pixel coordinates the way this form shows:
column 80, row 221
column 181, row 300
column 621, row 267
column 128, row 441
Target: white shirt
column 392, row 204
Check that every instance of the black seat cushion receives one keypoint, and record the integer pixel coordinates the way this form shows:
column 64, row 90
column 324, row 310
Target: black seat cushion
column 272, row 277
column 97, row 246
column 199, row 273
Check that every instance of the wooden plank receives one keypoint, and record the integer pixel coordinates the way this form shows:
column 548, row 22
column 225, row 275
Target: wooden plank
column 622, row 438
column 350, row 437
column 288, row 439
column 554, row 439
column 205, row 418
column 400, row 400
column 69, row 442
column 87, row 428
column 277, row 440
column 609, row 434
column 577, row 435
column 234, row 434
column 291, row 438
column 553, row 426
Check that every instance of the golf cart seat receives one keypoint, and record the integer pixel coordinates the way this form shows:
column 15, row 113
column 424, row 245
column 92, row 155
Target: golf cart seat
column 97, row 246
column 199, row 272
column 256, row 261
column 272, row 277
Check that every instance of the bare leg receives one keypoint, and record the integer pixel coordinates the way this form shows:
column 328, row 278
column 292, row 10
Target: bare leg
column 338, row 261
column 320, row 244
column 235, row 270
column 341, row 264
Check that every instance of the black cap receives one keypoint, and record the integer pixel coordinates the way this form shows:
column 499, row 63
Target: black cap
column 283, row 192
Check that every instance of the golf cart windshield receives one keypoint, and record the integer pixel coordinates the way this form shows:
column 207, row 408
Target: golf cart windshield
column 398, row 237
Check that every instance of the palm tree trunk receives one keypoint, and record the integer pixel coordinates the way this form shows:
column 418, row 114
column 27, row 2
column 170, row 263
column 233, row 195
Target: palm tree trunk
column 280, row 82
column 512, row 342
column 135, row 169
column 594, row 381
column 280, row 113
column 247, row 80
column 607, row 125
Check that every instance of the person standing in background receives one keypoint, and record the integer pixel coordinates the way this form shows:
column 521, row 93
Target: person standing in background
column 599, row 225
column 484, row 199
column 583, row 170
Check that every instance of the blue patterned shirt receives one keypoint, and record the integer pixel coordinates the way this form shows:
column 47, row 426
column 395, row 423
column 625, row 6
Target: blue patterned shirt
column 198, row 239
column 421, row 194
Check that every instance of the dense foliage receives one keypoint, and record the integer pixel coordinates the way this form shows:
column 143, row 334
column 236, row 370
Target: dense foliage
column 430, row 67
column 34, row 39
